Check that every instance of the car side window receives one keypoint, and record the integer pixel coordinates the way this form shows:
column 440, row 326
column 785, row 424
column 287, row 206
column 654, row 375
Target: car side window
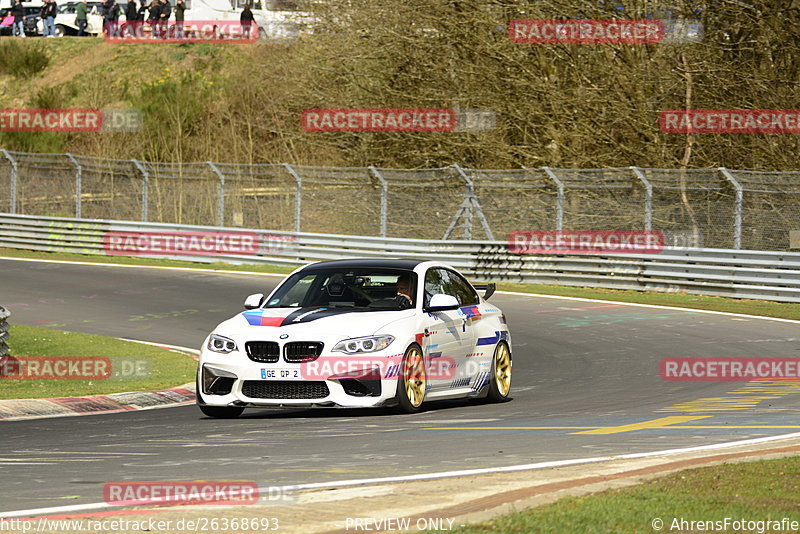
column 460, row 288
column 434, row 283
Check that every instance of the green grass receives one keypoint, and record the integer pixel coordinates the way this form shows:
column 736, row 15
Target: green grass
column 755, row 491
column 162, row 368
column 748, row 307
column 22, row 61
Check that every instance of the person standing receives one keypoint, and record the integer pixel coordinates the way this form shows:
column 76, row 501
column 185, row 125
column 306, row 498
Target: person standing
column 180, row 7
column 246, row 20
column 48, row 15
column 141, row 14
column 19, row 18
column 131, row 18
column 163, row 17
column 153, row 14
column 81, row 18
column 110, row 16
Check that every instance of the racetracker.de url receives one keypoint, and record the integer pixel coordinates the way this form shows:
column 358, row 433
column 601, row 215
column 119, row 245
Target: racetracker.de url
column 152, row 524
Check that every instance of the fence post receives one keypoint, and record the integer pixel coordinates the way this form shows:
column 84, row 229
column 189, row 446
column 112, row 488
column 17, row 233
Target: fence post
column 559, row 199
column 737, row 218
column 145, row 183
column 298, row 196
column 220, row 193
column 384, row 201
column 78, row 185
column 12, row 193
column 648, row 198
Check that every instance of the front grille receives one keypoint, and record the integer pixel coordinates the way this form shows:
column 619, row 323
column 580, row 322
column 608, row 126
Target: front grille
column 284, row 389
column 302, row 351
column 262, row 351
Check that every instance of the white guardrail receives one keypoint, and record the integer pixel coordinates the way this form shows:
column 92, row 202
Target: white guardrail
column 719, row 272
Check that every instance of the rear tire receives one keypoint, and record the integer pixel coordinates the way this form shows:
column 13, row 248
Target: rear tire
column 412, row 382
column 61, row 30
column 221, row 412
column 500, row 381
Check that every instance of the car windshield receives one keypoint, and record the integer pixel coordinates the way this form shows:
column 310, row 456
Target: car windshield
column 368, row 288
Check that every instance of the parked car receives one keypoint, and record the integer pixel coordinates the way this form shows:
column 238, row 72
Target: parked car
column 65, row 19
column 358, row 333
column 28, row 24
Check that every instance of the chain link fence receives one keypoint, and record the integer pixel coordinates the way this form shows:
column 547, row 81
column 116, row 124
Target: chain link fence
column 717, row 208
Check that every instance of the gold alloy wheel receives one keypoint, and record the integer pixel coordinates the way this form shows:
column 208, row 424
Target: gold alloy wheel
column 414, row 377
column 502, row 369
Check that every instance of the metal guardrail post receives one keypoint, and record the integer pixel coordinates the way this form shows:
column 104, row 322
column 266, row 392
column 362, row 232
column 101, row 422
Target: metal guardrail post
column 298, row 199
column 384, row 199
column 13, row 184
column 559, row 199
column 78, row 185
column 648, row 198
column 469, row 194
column 4, row 327
column 145, row 184
column 737, row 218
column 220, row 193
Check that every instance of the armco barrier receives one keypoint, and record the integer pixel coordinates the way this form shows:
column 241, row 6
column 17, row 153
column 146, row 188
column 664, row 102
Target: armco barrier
column 4, row 315
column 720, row 272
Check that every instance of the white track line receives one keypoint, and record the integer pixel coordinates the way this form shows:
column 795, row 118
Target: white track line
column 36, row 512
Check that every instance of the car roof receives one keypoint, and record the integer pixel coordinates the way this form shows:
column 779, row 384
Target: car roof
column 378, row 263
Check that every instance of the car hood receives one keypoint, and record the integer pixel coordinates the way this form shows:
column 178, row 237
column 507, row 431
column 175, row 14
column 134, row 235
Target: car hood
column 343, row 322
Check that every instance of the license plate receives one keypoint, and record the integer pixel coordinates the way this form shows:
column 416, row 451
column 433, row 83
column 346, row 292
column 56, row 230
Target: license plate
column 281, row 374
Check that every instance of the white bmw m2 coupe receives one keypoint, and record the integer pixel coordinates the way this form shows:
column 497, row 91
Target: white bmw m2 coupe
column 358, row 333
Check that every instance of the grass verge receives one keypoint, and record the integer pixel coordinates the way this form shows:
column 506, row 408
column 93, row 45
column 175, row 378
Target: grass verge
column 752, row 491
column 748, row 307
column 134, row 366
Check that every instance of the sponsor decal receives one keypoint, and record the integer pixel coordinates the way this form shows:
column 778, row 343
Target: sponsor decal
column 586, row 31
column 585, row 242
column 730, row 121
column 729, row 369
column 499, row 335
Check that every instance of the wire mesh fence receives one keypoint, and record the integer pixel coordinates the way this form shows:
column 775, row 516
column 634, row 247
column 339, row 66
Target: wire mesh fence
column 718, row 208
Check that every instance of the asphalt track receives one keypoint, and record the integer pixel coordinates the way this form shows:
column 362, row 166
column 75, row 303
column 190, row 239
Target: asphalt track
column 585, row 384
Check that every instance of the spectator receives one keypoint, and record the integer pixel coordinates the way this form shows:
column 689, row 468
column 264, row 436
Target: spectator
column 48, row 15
column 180, row 7
column 154, row 13
column 81, row 18
column 163, row 17
column 131, row 18
column 110, row 15
column 246, row 20
column 140, row 15
column 19, row 16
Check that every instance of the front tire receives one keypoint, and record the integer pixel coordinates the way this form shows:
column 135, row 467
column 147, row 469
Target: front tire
column 500, row 381
column 412, row 382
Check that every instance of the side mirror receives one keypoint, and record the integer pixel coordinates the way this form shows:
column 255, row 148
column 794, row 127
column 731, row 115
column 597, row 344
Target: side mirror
column 253, row 301
column 442, row 302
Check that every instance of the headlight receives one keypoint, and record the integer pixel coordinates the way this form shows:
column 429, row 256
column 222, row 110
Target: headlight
column 221, row 344
column 363, row 344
